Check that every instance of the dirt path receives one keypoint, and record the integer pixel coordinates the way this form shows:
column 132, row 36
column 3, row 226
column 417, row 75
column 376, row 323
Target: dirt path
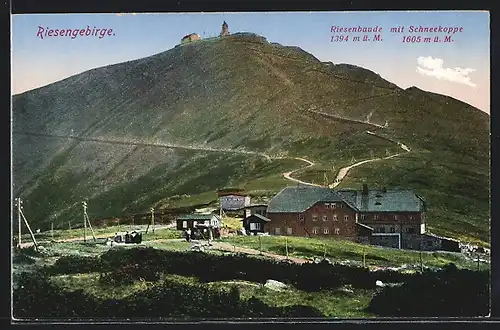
column 231, row 248
column 287, row 175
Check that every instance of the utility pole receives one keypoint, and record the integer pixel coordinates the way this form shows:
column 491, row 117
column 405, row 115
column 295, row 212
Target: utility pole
column 18, row 204
column 85, row 221
column 152, row 223
column 20, row 210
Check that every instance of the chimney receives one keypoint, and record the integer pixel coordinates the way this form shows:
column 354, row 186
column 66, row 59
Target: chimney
column 365, row 189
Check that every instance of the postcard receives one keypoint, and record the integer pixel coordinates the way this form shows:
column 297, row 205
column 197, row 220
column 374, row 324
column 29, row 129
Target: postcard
column 248, row 166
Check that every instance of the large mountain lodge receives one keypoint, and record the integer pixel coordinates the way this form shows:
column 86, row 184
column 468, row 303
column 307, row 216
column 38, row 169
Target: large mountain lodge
column 392, row 218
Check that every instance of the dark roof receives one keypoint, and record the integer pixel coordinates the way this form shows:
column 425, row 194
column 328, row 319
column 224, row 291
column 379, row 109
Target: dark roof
column 300, row 198
column 397, row 200
column 261, row 217
column 196, row 216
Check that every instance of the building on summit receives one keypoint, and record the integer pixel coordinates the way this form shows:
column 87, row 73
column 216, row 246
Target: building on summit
column 225, row 30
column 190, row 38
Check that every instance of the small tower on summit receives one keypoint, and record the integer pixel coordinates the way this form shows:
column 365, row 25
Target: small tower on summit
column 225, row 30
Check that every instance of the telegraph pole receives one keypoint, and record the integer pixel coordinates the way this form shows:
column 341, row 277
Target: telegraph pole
column 152, row 223
column 20, row 210
column 85, row 221
column 18, row 204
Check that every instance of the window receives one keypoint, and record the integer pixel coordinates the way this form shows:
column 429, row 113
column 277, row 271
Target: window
column 395, row 217
column 195, row 223
column 315, row 230
column 255, row 226
column 412, row 217
column 346, row 217
column 337, row 231
column 315, row 217
column 289, row 231
column 277, row 230
column 334, row 205
column 393, row 230
column 325, row 218
column 184, row 224
column 410, row 230
column 326, row 231
column 301, row 217
column 335, row 217
column 206, row 222
column 363, row 217
column 327, row 205
column 375, row 217
column 341, row 205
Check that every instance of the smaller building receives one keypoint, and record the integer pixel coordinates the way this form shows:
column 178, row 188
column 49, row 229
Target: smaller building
column 254, row 209
column 193, row 221
column 233, row 200
column 190, row 38
column 255, row 223
column 224, row 30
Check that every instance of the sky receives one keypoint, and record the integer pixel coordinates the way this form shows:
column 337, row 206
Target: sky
column 459, row 68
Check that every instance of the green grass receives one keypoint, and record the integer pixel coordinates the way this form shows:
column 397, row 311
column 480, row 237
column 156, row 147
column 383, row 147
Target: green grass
column 341, row 250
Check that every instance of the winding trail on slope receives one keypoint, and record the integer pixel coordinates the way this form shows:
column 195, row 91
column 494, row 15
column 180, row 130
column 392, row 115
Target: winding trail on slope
column 343, row 171
column 287, row 175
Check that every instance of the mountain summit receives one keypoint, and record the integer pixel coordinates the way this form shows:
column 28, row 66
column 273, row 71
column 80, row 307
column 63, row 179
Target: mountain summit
column 239, row 93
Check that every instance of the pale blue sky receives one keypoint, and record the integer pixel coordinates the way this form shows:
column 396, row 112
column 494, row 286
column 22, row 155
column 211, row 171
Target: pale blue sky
column 37, row 62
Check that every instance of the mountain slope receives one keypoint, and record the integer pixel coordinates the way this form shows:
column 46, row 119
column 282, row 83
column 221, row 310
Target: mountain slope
column 237, row 92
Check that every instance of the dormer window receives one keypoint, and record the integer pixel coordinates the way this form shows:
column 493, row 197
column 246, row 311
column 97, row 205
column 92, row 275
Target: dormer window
column 327, row 205
column 334, row 205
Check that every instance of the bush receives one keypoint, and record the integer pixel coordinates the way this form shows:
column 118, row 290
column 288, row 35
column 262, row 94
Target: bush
column 449, row 292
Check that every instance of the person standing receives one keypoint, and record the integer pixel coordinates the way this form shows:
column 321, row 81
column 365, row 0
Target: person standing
column 188, row 234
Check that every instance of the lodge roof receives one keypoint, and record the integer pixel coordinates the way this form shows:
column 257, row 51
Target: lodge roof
column 300, row 198
column 397, row 200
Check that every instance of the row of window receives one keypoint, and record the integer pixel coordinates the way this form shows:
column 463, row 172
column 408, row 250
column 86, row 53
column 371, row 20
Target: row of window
column 185, row 223
column 377, row 217
column 333, row 205
column 326, row 231
column 325, row 218
column 408, row 230
column 315, row 230
column 277, row 231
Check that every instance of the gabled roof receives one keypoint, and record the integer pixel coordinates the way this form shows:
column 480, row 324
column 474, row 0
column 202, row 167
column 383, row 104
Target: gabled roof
column 300, row 198
column 397, row 200
column 197, row 217
column 259, row 216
